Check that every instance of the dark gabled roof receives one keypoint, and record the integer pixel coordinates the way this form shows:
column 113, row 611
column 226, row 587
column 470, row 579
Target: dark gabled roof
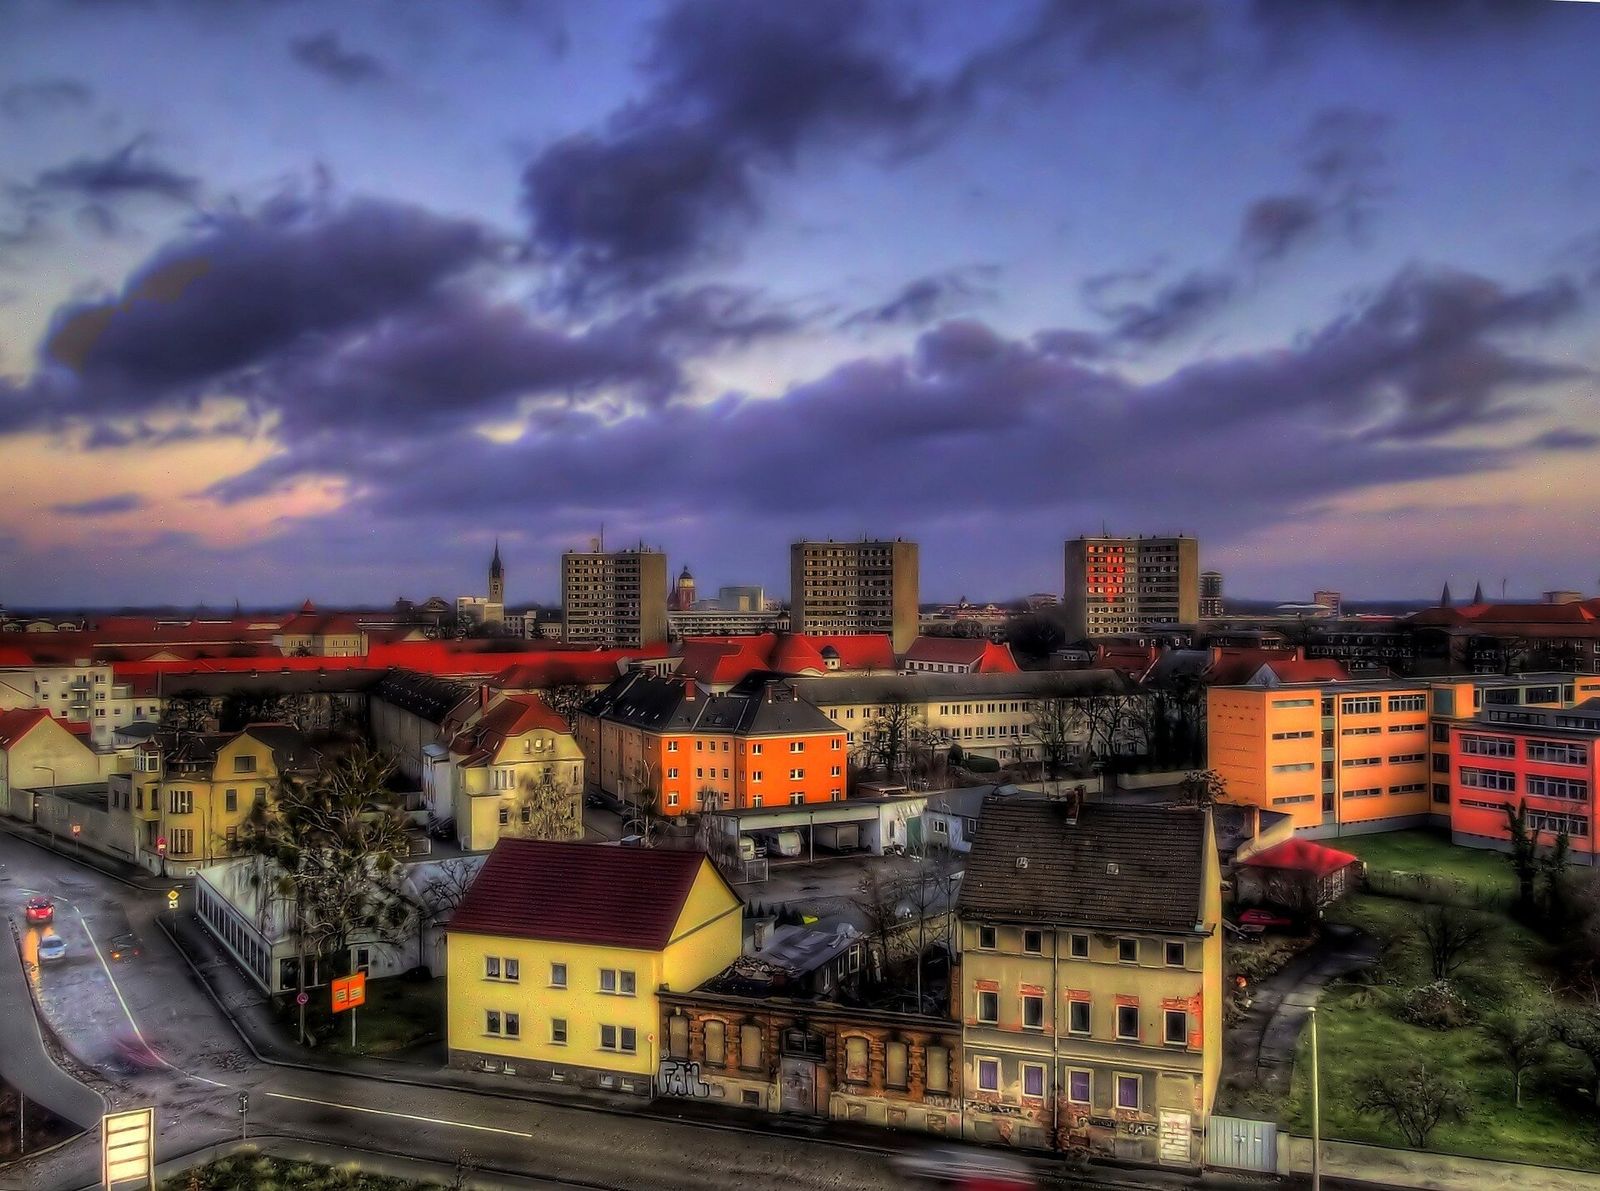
column 579, row 893
column 423, row 695
column 655, row 704
column 291, row 752
column 1132, row 867
column 921, row 687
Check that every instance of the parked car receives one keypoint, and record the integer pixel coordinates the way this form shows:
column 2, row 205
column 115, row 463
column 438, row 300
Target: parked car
column 977, row 1170
column 593, row 801
column 40, row 911
column 1265, row 920
column 124, row 947
column 52, row 947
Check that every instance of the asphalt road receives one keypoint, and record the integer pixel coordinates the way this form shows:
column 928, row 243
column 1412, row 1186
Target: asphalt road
column 89, row 1001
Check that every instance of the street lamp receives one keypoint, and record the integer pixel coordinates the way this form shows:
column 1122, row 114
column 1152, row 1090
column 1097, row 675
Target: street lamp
column 1316, row 1107
column 52, row 824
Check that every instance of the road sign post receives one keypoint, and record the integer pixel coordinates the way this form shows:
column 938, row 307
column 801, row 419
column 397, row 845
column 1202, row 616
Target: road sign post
column 77, row 840
column 172, row 900
column 244, row 1115
column 348, row 993
column 127, row 1148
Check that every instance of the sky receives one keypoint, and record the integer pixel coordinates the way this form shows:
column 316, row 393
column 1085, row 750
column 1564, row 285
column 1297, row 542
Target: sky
column 307, row 299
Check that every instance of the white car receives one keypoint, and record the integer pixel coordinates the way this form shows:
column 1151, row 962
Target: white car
column 52, row 947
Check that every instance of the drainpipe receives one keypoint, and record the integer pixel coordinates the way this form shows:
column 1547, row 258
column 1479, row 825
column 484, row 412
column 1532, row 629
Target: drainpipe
column 1055, row 1037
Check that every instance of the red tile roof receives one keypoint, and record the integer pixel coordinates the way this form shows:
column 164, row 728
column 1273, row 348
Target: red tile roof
column 511, row 716
column 585, row 668
column 579, row 893
column 10, row 656
column 14, row 725
column 978, row 652
column 725, row 660
column 1301, row 855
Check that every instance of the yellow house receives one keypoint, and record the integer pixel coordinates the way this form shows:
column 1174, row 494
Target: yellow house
column 1090, row 985
column 557, row 952
column 36, row 753
column 514, row 769
column 192, row 791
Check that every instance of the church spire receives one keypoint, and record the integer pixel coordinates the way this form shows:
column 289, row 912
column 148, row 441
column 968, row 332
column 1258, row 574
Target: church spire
column 1477, row 593
column 497, row 569
column 1444, row 599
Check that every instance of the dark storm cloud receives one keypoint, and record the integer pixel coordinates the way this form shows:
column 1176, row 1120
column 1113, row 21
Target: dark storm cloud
column 924, row 299
column 1565, row 438
column 1372, row 398
column 323, row 53
column 735, row 91
column 124, row 172
column 21, row 101
column 1172, row 310
column 1343, row 155
column 241, row 289
column 122, row 503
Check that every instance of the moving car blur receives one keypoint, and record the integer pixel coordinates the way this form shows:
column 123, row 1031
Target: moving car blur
column 965, row 1170
column 131, row 1053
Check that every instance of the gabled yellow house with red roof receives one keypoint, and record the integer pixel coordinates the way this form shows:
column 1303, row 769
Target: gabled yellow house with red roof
column 558, row 950
column 515, row 769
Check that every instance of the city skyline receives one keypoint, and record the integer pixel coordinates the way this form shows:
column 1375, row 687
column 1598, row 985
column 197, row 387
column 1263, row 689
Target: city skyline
column 352, row 294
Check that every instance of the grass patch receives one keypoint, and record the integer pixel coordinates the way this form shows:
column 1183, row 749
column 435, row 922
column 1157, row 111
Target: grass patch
column 1360, row 1034
column 399, row 1013
column 1429, row 853
column 271, row 1174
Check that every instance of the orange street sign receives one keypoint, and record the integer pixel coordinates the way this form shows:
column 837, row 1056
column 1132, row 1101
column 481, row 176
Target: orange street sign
column 349, row 992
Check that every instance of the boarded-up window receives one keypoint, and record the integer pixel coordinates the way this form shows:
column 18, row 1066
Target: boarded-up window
column 678, row 1036
column 855, row 1060
column 894, row 1064
column 716, row 1042
column 750, row 1047
column 938, row 1061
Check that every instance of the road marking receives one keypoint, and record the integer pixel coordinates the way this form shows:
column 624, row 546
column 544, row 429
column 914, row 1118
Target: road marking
column 404, row 1116
column 129, row 1012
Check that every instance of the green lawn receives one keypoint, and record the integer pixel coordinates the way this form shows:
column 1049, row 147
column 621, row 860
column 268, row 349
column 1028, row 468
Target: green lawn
column 1432, row 854
column 1359, row 1034
column 276, row 1174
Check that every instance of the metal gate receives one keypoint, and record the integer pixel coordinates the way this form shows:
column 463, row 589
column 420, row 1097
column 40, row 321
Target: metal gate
column 1239, row 1144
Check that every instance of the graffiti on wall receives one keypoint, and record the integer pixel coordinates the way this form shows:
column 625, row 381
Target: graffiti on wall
column 682, row 1078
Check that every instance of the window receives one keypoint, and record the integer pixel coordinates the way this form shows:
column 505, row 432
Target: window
column 491, row 967
column 1368, row 731
column 1369, row 705
column 1033, row 942
column 1293, row 702
column 936, row 1077
column 672, row 771
column 1364, row 792
column 1296, row 767
column 1408, row 702
column 1557, row 754
column 1360, row 762
column 183, row 841
column 1489, row 779
column 1033, row 1013
column 1489, row 746
column 755, row 750
column 716, row 1042
column 988, row 1075
column 558, row 975
column 617, row 983
column 855, row 1060
column 1078, row 1017
column 1128, row 1091
column 988, row 1007
column 1409, row 788
column 1177, row 955
column 796, row 774
column 513, row 1025
column 1305, row 735
column 1406, row 758
column 1557, row 787
column 797, row 746
column 1128, row 1022
column 244, row 763
column 678, row 1036
column 558, row 1031
column 505, row 815
column 672, row 746
column 1176, row 1028
column 180, row 802
column 513, row 969
column 750, row 1047
column 1033, row 1081
column 986, row 939
column 1079, row 1086
column 1079, row 947
column 896, row 1061
column 1127, row 951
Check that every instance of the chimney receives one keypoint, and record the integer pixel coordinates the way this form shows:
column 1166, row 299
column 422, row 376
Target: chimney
column 688, row 690
column 1255, row 821
column 483, row 696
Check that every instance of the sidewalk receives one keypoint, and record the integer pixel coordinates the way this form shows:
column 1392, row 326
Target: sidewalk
column 1261, row 1048
column 117, row 870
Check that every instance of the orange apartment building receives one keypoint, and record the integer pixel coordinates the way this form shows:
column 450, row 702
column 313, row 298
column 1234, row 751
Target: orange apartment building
column 698, row 750
column 1343, row 758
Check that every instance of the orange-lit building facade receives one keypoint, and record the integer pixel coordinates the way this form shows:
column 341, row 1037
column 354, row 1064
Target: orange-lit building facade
column 646, row 734
column 1544, row 758
column 1360, row 756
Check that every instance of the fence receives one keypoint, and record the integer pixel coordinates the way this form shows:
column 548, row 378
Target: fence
column 1234, row 1143
column 1425, row 887
column 749, row 872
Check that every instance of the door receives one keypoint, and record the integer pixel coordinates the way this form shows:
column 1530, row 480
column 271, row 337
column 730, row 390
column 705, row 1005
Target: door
column 797, row 1086
column 1175, row 1137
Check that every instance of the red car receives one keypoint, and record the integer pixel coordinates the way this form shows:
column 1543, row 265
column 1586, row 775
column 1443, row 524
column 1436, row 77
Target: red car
column 1264, row 919
column 40, row 911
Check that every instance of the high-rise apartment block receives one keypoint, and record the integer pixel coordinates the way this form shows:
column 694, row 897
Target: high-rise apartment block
column 614, row 600
column 1210, row 595
column 1332, row 600
column 1120, row 585
column 850, row 588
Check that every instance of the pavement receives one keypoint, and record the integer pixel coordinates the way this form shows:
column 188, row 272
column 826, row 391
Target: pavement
column 1261, row 1048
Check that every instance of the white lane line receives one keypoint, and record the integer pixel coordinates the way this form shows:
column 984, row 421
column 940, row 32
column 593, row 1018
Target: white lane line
column 129, row 1012
column 404, row 1116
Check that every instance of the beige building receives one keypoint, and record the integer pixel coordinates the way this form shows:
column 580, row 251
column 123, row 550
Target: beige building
column 1091, row 978
column 614, row 600
column 850, row 588
column 1119, row 585
column 38, row 753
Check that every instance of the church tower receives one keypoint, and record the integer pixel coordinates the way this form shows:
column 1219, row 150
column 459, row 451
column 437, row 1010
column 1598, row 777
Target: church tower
column 497, row 577
column 682, row 597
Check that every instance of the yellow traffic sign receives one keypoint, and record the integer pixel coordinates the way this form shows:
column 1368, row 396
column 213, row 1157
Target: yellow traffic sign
column 172, row 897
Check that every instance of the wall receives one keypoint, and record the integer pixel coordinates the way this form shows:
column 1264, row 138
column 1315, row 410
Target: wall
column 1421, row 1169
column 47, row 743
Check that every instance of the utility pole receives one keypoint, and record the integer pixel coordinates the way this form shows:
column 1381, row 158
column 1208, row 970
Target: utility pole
column 1316, row 1108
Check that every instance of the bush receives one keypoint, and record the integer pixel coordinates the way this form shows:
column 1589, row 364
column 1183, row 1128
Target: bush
column 1436, row 1006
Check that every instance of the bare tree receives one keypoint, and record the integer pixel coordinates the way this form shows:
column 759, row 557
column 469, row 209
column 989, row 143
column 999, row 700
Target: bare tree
column 1203, row 788
column 712, row 837
column 565, row 698
column 888, row 738
column 1578, row 1028
column 1522, row 1041
column 187, row 711
column 439, row 893
column 1413, row 1099
column 1055, row 725
column 881, row 901
column 641, row 809
column 1449, row 936
column 545, row 808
